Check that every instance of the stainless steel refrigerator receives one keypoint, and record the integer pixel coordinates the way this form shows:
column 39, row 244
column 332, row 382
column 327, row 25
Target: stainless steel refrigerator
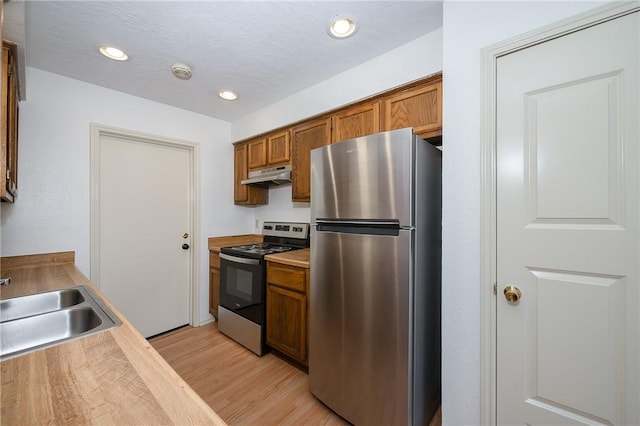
column 374, row 316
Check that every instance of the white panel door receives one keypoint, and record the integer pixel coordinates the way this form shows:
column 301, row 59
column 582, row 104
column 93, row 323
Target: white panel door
column 568, row 351
column 144, row 212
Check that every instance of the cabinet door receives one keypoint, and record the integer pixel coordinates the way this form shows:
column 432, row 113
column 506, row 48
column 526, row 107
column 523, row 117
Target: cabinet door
column 240, row 193
column 355, row 122
column 287, row 322
column 278, row 149
column 9, row 153
column 305, row 137
column 286, row 276
column 214, row 283
column 244, row 194
column 257, row 153
column 420, row 108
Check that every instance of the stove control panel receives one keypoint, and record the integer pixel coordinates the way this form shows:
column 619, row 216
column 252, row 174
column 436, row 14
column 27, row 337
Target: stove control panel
column 286, row 230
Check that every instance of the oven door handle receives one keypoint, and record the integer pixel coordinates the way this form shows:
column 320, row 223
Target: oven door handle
column 239, row 259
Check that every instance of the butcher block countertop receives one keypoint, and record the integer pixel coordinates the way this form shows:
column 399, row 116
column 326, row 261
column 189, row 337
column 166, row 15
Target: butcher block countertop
column 112, row 377
column 299, row 258
column 235, row 240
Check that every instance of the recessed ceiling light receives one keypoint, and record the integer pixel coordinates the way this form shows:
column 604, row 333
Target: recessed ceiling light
column 228, row 95
column 342, row 26
column 113, row 53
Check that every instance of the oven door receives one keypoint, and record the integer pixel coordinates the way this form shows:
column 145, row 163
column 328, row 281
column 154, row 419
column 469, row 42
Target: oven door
column 242, row 285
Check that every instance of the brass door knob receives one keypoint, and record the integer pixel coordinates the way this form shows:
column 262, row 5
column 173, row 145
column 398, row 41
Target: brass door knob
column 512, row 294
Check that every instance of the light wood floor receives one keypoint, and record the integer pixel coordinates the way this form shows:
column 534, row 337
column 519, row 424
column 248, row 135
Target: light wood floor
column 242, row 388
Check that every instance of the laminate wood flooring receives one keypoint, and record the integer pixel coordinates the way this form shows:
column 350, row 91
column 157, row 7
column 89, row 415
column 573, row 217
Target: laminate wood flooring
column 242, row 388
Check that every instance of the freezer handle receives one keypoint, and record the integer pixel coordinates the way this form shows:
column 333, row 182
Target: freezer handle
column 363, row 222
column 368, row 227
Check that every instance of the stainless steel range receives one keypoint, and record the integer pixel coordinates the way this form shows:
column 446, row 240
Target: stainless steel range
column 243, row 282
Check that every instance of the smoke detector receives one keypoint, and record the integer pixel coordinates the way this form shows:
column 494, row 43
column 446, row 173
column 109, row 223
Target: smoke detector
column 181, row 71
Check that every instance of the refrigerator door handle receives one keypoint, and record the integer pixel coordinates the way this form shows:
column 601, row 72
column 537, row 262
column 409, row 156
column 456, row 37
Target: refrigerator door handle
column 362, row 222
column 366, row 228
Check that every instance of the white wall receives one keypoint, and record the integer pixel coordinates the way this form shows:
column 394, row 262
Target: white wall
column 417, row 59
column 52, row 211
column 281, row 208
column 468, row 27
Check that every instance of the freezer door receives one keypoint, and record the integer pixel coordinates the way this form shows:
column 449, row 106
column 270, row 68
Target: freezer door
column 365, row 178
column 359, row 327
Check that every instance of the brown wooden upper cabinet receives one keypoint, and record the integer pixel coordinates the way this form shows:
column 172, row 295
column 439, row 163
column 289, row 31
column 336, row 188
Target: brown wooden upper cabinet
column 9, row 154
column 356, row 121
column 246, row 195
column 257, row 154
column 279, row 149
column 419, row 107
column 305, row 137
column 273, row 150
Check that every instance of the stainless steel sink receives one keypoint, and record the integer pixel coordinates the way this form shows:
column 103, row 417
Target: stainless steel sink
column 39, row 303
column 46, row 319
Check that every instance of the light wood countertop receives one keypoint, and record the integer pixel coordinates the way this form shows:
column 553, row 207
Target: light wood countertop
column 299, row 258
column 112, row 377
column 233, row 240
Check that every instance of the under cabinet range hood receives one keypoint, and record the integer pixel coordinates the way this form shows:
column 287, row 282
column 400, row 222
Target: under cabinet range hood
column 271, row 176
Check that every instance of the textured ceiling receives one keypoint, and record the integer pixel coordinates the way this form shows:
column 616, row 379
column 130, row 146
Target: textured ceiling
column 263, row 50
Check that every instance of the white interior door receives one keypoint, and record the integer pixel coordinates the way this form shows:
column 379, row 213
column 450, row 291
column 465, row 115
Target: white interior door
column 143, row 214
column 567, row 229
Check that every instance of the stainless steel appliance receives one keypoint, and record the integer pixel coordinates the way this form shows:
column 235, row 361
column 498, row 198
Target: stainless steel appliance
column 272, row 176
column 374, row 326
column 241, row 314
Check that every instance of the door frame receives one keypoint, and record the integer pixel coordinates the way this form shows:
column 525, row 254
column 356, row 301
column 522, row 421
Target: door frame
column 488, row 167
column 99, row 130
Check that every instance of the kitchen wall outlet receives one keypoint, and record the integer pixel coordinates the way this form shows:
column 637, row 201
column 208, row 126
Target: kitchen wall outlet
column 257, row 225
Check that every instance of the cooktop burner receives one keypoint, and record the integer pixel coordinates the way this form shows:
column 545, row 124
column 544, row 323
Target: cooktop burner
column 278, row 237
column 264, row 248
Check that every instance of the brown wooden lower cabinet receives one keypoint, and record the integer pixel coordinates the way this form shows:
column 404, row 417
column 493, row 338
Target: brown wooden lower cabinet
column 214, row 283
column 287, row 316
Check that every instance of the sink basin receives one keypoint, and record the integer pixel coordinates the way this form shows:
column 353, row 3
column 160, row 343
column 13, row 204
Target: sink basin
column 26, row 306
column 54, row 318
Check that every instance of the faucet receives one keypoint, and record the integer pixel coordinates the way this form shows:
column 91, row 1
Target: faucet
column 5, row 281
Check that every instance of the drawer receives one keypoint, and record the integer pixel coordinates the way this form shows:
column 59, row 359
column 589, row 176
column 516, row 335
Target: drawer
column 287, row 276
column 214, row 260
